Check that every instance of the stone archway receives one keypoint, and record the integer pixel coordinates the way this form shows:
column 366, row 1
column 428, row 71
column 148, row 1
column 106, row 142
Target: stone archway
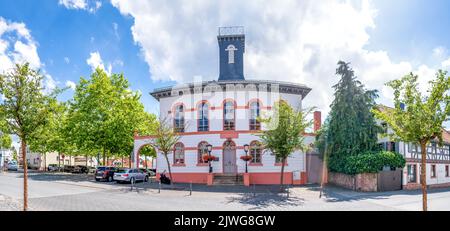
column 139, row 146
column 145, row 151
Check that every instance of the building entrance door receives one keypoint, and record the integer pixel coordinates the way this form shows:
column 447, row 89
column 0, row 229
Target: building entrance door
column 229, row 157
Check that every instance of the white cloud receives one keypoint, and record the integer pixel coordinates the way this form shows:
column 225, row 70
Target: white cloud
column 95, row 61
column 298, row 41
column 90, row 5
column 67, row 60
column 16, row 46
column 71, row 84
column 446, row 63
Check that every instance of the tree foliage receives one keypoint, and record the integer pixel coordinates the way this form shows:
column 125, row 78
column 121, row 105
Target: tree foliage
column 352, row 127
column 416, row 118
column 284, row 133
column 104, row 114
column 164, row 141
column 23, row 108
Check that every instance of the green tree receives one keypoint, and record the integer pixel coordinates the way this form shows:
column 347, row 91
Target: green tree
column 422, row 118
column 5, row 141
column 165, row 139
column 51, row 138
column 23, row 108
column 352, row 127
column 284, row 133
column 104, row 114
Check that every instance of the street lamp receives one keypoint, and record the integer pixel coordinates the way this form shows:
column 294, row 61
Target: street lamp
column 209, row 149
column 246, row 147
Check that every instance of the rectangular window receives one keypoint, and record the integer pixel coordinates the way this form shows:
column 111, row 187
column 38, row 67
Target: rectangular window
column 392, row 148
column 433, row 171
column 447, row 173
column 412, row 173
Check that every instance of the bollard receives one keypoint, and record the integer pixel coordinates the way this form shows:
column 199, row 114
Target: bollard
column 159, row 189
column 131, row 185
column 288, row 192
column 190, row 192
column 254, row 190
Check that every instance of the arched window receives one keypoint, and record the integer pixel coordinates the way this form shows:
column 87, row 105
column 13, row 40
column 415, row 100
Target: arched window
column 178, row 120
column 255, row 151
column 178, row 153
column 202, row 150
column 254, row 114
column 228, row 115
column 203, row 121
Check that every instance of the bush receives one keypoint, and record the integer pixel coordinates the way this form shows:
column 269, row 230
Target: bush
column 368, row 162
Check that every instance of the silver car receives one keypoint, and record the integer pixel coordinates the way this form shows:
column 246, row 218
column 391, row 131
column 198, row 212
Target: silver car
column 130, row 175
column 12, row 166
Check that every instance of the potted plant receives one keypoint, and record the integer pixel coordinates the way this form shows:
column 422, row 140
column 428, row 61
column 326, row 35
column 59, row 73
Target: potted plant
column 247, row 157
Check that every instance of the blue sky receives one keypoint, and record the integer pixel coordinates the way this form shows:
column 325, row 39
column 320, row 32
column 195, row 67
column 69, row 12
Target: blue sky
column 158, row 43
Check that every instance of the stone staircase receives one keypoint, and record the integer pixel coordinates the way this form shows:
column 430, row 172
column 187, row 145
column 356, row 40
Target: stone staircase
column 228, row 180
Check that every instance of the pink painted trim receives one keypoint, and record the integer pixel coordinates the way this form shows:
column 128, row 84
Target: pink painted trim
column 255, row 164
column 178, row 165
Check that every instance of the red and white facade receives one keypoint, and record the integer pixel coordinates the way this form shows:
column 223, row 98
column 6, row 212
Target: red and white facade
column 223, row 114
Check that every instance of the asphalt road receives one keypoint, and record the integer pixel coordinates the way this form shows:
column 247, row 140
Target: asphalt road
column 80, row 192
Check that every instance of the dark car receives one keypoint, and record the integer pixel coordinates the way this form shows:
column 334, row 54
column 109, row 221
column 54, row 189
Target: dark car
column 80, row 169
column 68, row 168
column 105, row 173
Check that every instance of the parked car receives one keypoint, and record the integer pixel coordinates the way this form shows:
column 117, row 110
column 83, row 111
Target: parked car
column 149, row 172
column 53, row 168
column 91, row 170
column 12, row 166
column 130, row 175
column 105, row 173
column 68, row 168
column 80, row 169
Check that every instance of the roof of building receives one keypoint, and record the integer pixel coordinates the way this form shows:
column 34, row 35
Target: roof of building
column 232, row 85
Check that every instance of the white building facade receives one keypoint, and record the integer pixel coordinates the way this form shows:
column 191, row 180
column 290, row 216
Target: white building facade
column 223, row 114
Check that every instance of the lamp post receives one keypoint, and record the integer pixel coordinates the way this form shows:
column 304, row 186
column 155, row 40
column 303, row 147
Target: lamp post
column 209, row 149
column 246, row 146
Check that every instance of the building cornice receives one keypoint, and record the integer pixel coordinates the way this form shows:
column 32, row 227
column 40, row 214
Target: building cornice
column 231, row 85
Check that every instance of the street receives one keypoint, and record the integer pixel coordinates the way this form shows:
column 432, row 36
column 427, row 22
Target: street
column 63, row 192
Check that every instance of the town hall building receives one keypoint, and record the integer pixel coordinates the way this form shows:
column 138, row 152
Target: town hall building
column 219, row 119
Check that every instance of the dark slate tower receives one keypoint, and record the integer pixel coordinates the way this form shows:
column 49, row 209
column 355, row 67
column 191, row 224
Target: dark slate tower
column 231, row 52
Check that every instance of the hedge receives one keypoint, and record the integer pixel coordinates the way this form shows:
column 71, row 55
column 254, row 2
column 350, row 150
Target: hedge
column 369, row 162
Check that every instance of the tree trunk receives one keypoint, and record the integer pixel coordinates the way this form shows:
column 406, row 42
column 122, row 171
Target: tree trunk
column 45, row 163
column 122, row 162
column 146, row 167
column 25, row 175
column 282, row 173
column 168, row 166
column 423, row 177
column 104, row 157
column 129, row 162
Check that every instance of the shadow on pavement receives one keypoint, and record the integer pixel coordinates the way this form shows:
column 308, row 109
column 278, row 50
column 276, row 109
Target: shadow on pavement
column 56, row 176
column 337, row 194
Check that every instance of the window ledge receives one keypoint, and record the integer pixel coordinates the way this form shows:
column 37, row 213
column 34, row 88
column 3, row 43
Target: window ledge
column 202, row 164
column 178, row 165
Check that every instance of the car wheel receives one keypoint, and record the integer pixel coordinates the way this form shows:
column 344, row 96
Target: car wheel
column 96, row 179
column 110, row 178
